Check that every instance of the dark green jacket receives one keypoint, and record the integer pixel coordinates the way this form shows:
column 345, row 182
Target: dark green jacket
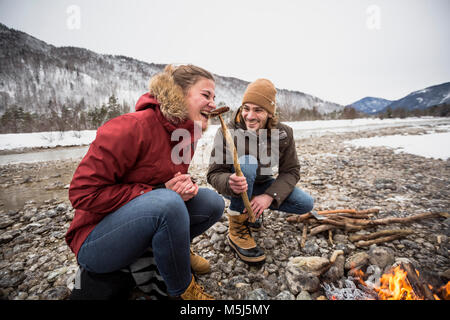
column 221, row 161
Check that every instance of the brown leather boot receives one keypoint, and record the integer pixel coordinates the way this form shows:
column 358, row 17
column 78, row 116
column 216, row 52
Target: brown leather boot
column 241, row 240
column 199, row 264
column 195, row 292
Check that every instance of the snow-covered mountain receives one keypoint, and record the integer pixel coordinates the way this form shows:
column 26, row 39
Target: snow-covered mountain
column 370, row 105
column 422, row 99
column 417, row 100
column 33, row 73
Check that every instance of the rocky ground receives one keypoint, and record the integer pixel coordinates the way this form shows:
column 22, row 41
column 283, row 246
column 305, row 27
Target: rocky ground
column 35, row 262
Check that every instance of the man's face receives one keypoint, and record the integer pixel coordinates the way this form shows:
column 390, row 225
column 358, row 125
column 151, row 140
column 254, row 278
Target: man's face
column 255, row 117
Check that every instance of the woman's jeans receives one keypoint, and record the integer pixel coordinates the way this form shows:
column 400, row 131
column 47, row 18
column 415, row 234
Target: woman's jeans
column 159, row 219
column 297, row 202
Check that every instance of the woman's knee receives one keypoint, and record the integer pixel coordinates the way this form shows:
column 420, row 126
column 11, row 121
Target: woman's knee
column 167, row 205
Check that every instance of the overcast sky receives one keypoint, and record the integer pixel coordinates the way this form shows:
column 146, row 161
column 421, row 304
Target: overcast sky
column 340, row 51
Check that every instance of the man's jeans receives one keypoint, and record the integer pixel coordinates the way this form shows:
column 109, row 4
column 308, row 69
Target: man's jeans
column 159, row 219
column 297, row 202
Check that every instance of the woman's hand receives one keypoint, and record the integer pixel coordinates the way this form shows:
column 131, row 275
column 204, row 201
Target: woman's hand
column 183, row 185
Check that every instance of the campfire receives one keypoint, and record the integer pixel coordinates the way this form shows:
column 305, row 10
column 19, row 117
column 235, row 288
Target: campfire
column 402, row 282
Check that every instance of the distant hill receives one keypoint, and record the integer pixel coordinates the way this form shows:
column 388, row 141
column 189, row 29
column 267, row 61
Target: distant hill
column 370, row 105
column 34, row 74
column 425, row 98
column 417, row 100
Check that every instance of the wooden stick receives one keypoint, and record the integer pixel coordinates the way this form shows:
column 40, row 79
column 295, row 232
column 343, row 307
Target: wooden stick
column 382, row 233
column 368, row 222
column 335, row 254
column 367, row 243
column 237, row 167
column 330, row 236
column 337, row 211
column 321, row 228
column 304, row 234
column 403, row 220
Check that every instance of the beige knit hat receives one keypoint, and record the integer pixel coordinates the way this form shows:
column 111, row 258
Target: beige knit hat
column 261, row 92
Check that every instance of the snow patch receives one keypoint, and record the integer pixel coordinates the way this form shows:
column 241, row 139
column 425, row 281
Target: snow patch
column 433, row 145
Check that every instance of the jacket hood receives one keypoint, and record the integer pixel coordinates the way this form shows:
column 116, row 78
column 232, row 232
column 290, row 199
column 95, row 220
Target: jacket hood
column 146, row 101
column 169, row 96
column 236, row 120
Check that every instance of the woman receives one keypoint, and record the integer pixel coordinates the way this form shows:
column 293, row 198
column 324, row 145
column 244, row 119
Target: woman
column 130, row 194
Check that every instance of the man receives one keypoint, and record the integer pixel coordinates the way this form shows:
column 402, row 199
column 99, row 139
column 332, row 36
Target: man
column 260, row 139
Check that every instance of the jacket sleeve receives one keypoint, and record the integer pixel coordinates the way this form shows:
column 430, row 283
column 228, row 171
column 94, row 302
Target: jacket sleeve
column 96, row 185
column 288, row 171
column 220, row 166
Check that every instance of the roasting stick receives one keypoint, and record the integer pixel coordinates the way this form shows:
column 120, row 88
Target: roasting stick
column 237, row 166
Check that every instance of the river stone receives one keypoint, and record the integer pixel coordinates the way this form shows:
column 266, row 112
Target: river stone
column 381, row 256
column 357, row 260
column 314, row 265
column 257, row 294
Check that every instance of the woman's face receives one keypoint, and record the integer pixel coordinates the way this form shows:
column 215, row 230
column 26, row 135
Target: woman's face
column 200, row 101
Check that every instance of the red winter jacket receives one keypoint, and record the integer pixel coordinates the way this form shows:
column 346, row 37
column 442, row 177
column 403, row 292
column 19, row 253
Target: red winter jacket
column 130, row 155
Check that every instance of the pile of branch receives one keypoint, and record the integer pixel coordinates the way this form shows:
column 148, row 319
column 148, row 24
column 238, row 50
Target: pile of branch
column 353, row 220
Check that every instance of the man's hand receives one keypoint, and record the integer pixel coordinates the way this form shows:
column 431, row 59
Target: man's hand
column 238, row 184
column 259, row 204
column 183, row 185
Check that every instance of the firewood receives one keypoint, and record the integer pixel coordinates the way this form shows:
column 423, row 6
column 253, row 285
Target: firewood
column 335, row 254
column 405, row 219
column 367, row 243
column 292, row 218
column 382, row 233
column 420, row 287
column 368, row 222
column 368, row 211
column 304, row 234
column 330, row 236
column 337, row 211
column 320, row 229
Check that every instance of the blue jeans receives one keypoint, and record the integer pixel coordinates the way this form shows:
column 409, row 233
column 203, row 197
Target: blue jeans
column 297, row 202
column 159, row 219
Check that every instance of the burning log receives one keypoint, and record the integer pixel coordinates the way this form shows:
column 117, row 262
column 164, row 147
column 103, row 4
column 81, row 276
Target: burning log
column 420, row 287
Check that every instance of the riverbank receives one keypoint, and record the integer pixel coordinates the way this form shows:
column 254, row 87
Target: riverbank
column 35, row 262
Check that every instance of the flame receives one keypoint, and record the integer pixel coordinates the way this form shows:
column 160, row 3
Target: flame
column 445, row 290
column 395, row 286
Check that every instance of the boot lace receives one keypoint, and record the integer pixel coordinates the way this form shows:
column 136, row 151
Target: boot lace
column 243, row 231
column 198, row 292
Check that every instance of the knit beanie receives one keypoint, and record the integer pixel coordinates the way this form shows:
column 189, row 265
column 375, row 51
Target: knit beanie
column 262, row 93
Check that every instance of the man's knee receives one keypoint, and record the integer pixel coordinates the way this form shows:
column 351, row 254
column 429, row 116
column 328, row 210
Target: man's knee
column 300, row 202
column 309, row 203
